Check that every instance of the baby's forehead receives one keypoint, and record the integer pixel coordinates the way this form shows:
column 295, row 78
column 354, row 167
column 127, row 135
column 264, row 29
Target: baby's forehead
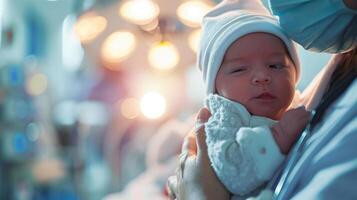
column 234, row 57
column 254, row 44
column 245, row 56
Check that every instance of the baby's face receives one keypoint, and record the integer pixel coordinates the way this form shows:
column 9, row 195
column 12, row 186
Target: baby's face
column 258, row 73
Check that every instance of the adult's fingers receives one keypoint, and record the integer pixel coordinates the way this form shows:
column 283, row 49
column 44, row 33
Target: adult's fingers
column 172, row 187
column 301, row 115
column 202, row 118
column 189, row 145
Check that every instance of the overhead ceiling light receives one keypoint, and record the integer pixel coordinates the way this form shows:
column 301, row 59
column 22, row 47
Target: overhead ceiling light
column 139, row 12
column 118, row 46
column 192, row 12
column 163, row 55
column 89, row 26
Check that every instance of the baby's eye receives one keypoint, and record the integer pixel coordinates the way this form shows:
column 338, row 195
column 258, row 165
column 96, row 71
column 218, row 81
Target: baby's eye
column 238, row 69
column 276, row 66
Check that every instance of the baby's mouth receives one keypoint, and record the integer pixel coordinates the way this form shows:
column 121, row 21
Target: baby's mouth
column 265, row 96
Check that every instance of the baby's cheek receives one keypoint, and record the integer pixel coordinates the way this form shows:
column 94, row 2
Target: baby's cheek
column 287, row 92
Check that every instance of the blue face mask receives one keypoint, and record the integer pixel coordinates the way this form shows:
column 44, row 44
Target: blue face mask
column 318, row 25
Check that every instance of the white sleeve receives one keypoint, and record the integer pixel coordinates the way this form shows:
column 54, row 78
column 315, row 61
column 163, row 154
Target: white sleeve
column 245, row 160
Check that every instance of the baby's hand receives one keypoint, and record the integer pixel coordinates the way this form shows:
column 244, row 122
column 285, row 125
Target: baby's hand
column 290, row 127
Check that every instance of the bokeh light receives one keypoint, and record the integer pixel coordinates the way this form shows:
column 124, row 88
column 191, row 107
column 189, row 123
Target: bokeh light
column 33, row 131
column 153, row 105
column 140, row 12
column 37, row 84
column 65, row 113
column 163, row 55
column 89, row 26
column 192, row 12
column 118, row 46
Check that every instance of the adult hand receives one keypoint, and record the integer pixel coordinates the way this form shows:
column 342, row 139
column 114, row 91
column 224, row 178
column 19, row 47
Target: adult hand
column 290, row 127
column 195, row 179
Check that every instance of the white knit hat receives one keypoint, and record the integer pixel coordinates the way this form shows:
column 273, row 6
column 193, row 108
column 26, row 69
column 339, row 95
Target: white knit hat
column 229, row 21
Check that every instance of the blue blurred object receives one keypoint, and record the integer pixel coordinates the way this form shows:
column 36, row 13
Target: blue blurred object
column 36, row 36
column 15, row 76
column 51, row 193
column 12, row 75
column 16, row 146
column 21, row 143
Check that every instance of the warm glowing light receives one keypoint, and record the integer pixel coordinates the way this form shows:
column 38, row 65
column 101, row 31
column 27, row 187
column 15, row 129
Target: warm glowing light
column 140, row 12
column 46, row 170
column 37, row 84
column 150, row 26
column 192, row 12
column 153, row 105
column 118, row 46
column 163, row 55
column 130, row 108
column 194, row 39
column 89, row 26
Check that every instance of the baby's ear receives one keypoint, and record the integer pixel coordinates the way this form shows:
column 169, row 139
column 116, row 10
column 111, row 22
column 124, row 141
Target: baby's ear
column 297, row 101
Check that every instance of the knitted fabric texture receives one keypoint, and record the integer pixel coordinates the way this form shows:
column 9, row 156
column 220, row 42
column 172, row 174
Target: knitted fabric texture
column 241, row 148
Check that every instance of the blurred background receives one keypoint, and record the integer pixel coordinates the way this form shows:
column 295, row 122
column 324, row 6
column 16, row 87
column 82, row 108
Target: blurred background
column 96, row 95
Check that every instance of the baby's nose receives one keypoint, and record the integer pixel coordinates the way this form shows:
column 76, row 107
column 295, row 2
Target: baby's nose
column 263, row 78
